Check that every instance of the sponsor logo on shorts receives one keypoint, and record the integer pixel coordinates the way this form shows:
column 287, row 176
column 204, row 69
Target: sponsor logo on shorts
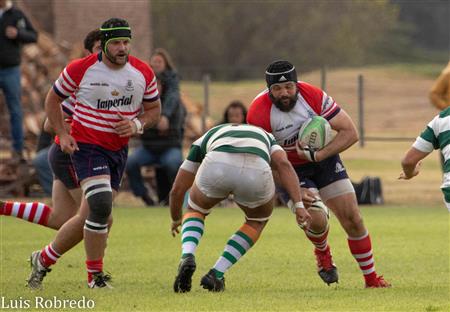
column 339, row 168
column 100, row 168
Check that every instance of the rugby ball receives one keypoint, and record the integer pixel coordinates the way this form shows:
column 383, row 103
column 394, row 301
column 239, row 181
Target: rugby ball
column 315, row 132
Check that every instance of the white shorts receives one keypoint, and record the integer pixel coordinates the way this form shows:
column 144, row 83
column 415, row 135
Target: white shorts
column 248, row 177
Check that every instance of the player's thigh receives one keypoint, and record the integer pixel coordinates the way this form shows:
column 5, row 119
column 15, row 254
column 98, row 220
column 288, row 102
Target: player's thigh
column 345, row 208
column 64, row 205
column 201, row 202
column 261, row 212
column 253, row 185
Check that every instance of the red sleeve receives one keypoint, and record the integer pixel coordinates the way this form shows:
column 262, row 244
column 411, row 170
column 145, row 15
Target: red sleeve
column 322, row 104
column 151, row 88
column 70, row 78
column 259, row 111
column 312, row 95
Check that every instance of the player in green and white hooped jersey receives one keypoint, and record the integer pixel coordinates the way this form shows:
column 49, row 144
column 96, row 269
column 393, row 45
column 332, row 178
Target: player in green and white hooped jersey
column 229, row 159
column 435, row 136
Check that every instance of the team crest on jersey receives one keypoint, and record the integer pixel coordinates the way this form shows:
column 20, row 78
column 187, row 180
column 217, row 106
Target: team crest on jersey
column 129, row 86
column 115, row 93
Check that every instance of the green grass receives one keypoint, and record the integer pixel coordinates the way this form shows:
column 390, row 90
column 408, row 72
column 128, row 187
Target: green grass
column 411, row 246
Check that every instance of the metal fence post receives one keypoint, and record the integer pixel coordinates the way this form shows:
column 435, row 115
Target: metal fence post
column 323, row 78
column 361, row 109
column 206, row 82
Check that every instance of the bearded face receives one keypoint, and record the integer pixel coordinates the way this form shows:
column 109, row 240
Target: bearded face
column 284, row 95
column 118, row 50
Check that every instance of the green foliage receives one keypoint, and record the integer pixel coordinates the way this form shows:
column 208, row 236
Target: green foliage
column 237, row 39
column 411, row 246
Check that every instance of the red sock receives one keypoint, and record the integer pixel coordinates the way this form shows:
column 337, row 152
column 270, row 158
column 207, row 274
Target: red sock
column 32, row 212
column 361, row 249
column 49, row 256
column 93, row 266
column 319, row 240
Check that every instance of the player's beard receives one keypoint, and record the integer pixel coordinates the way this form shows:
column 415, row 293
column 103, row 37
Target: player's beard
column 116, row 60
column 280, row 102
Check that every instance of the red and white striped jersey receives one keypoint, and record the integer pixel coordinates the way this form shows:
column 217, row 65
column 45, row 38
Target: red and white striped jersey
column 311, row 101
column 100, row 93
column 68, row 105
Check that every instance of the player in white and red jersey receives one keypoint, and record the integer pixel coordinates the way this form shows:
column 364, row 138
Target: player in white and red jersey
column 116, row 96
column 282, row 109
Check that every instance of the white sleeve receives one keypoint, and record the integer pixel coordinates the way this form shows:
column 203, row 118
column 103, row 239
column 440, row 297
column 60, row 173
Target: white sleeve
column 190, row 166
column 275, row 148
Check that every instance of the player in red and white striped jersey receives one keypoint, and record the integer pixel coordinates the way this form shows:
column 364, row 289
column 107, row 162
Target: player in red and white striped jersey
column 116, row 97
column 282, row 109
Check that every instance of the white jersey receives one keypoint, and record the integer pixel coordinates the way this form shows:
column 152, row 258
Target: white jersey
column 231, row 138
column 101, row 93
column 284, row 126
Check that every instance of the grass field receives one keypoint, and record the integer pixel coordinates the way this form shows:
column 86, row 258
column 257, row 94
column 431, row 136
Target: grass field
column 411, row 245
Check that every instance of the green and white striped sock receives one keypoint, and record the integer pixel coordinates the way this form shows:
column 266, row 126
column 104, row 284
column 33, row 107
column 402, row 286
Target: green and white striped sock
column 191, row 232
column 236, row 247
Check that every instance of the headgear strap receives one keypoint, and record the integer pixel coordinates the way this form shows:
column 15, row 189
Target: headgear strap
column 280, row 71
column 114, row 33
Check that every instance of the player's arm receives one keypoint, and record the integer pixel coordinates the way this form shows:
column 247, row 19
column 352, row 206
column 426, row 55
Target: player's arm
column 152, row 113
column 56, row 120
column 289, row 181
column 346, row 136
column 181, row 185
column 424, row 145
column 67, row 123
column 148, row 118
column 411, row 163
column 183, row 182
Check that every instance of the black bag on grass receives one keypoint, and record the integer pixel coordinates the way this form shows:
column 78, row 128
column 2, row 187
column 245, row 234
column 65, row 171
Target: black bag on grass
column 369, row 191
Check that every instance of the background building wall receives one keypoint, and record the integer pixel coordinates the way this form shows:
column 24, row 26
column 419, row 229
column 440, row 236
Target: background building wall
column 70, row 20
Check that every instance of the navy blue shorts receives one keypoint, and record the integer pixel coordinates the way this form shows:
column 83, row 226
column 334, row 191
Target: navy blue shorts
column 62, row 167
column 321, row 174
column 318, row 175
column 93, row 160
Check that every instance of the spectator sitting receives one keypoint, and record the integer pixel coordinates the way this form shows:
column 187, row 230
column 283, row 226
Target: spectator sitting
column 40, row 162
column 161, row 145
column 236, row 112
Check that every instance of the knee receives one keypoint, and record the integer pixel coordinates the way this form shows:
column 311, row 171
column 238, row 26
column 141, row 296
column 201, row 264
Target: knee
column 319, row 221
column 319, row 216
column 98, row 194
column 100, row 206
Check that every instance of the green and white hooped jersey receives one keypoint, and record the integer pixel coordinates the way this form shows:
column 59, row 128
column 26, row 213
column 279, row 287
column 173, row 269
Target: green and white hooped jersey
column 231, row 138
column 437, row 136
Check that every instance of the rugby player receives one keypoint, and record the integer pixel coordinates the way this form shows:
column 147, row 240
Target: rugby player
column 229, row 159
column 116, row 97
column 281, row 109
